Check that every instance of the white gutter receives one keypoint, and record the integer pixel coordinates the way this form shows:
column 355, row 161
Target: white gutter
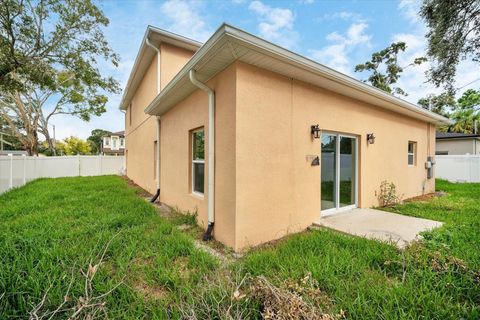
column 211, row 146
column 147, row 41
column 269, row 49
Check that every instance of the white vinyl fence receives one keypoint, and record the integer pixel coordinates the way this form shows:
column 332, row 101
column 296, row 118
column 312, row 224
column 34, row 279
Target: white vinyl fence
column 15, row 171
column 458, row 168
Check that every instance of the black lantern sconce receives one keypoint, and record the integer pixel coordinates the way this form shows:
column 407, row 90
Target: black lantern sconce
column 315, row 131
column 370, row 138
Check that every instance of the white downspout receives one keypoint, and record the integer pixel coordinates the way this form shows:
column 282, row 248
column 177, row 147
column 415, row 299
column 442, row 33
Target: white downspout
column 147, row 41
column 211, row 152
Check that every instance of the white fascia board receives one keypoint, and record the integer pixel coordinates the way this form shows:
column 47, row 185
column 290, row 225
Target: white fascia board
column 156, row 36
column 186, row 69
column 274, row 51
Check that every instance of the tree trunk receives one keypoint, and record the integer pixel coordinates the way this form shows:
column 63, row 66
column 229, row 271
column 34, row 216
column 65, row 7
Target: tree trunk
column 49, row 140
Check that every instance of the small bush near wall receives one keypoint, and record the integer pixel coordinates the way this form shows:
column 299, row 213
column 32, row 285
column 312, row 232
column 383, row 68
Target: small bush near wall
column 388, row 194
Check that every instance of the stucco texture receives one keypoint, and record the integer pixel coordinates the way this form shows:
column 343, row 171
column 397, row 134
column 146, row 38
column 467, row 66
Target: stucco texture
column 176, row 155
column 278, row 191
column 141, row 130
column 265, row 187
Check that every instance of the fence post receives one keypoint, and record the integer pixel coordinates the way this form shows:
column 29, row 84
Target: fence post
column 11, row 170
column 78, row 163
column 24, row 169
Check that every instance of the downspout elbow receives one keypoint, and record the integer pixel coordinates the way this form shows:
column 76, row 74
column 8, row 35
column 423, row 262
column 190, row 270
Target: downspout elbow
column 211, row 153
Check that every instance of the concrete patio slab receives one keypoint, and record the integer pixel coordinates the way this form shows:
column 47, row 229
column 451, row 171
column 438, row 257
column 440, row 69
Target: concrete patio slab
column 379, row 225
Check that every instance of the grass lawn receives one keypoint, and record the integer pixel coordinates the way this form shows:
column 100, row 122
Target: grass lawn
column 52, row 229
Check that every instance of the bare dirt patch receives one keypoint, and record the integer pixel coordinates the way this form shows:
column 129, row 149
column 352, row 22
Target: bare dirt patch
column 426, row 197
column 141, row 192
column 150, row 292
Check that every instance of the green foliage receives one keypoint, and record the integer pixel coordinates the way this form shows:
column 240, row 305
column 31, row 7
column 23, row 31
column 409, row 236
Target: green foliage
column 453, row 36
column 73, row 146
column 95, row 139
column 441, row 104
column 384, row 68
column 464, row 111
column 10, row 142
column 38, row 38
column 48, row 57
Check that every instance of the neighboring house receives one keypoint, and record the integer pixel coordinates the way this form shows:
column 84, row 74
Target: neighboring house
column 114, row 144
column 449, row 143
column 228, row 130
column 13, row 152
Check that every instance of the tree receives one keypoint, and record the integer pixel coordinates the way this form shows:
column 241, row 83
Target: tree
column 66, row 39
column 37, row 35
column 467, row 112
column 454, row 35
column 73, row 146
column 441, row 104
column 7, row 140
column 95, row 139
column 387, row 60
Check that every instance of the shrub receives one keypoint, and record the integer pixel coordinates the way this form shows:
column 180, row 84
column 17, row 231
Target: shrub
column 388, row 194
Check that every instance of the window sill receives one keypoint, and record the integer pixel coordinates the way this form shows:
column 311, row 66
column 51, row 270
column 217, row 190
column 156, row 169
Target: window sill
column 197, row 195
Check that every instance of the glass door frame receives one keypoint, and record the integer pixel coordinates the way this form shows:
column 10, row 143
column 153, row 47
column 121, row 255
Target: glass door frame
column 338, row 209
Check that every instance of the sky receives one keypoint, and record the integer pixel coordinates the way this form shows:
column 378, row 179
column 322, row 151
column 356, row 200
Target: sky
column 339, row 34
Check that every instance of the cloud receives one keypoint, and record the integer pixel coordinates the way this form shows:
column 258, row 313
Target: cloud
column 414, row 80
column 343, row 15
column 276, row 24
column 409, row 9
column 336, row 55
column 184, row 17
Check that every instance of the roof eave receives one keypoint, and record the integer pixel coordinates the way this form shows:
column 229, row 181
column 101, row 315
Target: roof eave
column 300, row 61
column 151, row 31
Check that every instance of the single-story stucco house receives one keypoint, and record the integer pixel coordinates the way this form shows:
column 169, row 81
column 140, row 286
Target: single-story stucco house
column 453, row 143
column 260, row 141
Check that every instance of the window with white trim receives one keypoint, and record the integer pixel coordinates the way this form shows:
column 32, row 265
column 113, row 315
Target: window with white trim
column 107, row 141
column 198, row 161
column 412, row 150
column 122, row 142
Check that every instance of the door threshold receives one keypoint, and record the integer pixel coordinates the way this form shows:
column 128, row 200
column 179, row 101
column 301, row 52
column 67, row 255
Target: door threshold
column 333, row 212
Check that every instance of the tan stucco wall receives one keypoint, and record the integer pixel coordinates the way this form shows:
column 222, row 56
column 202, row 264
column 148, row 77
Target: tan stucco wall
column 172, row 60
column 141, row 135
column 189, row 114
column 458, row 146
column 265, row 187
column 278, row 191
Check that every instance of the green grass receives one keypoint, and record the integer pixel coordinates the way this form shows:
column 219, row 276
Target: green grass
column 51, row 229
column 439, row 279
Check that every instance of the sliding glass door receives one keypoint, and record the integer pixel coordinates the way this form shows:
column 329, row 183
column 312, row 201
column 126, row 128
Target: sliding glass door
column 338, row 172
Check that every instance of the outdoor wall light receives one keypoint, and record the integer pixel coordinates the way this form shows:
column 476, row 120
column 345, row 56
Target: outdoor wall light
column 315, row 131
column 370, row 138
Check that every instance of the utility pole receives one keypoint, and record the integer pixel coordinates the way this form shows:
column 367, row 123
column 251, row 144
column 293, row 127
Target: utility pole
column 54, row 142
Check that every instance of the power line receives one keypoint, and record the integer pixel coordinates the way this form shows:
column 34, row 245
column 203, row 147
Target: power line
column 468, row 84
